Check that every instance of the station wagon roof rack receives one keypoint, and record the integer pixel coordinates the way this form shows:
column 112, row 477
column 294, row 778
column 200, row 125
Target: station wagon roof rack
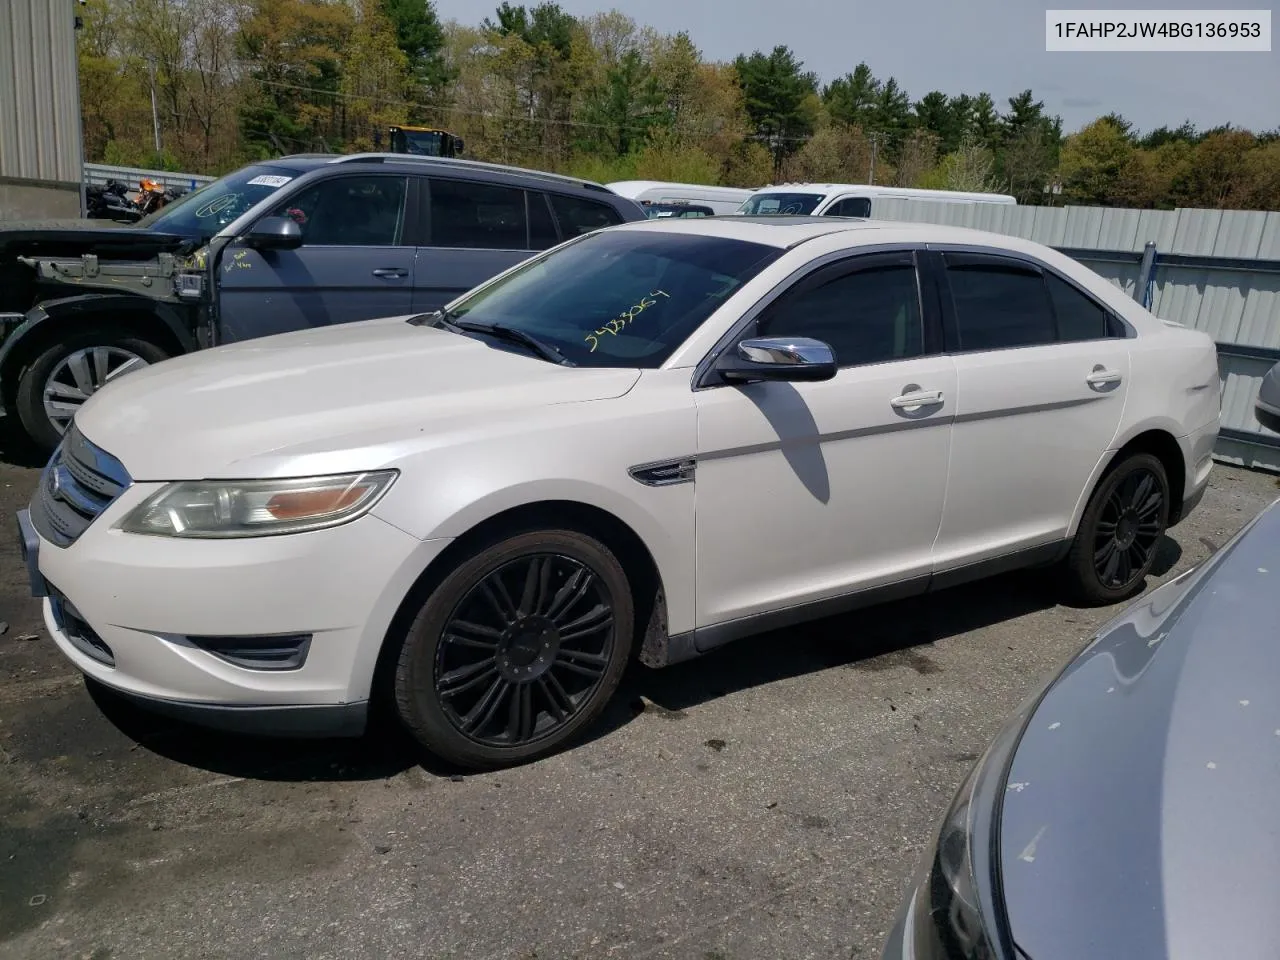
column 447, row 162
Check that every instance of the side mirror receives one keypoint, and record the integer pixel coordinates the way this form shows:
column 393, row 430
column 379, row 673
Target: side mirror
column 459, row 145
column 274, row 233
column 796, row 359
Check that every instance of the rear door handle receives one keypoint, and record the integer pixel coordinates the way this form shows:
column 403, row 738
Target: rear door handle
column 1100, row 377
column 922, row 398
column 390, row 272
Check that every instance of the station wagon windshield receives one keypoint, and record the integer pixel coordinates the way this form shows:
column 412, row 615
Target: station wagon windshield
column 782, row 204
column 616, row 299
column 202, row 213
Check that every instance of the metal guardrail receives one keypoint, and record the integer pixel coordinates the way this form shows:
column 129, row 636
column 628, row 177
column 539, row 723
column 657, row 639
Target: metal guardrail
column 97, row 174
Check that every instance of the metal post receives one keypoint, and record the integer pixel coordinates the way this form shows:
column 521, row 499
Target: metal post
column 1142, row 288
column 155, row 116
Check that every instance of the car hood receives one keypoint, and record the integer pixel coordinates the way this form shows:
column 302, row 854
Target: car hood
column 62, row 238
column 311, row 399
column 1140, row 814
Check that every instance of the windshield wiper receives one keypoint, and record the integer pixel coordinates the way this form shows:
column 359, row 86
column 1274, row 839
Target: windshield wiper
column 511, row 334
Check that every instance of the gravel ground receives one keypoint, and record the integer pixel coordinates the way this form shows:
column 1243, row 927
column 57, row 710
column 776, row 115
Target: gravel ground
column 768, row 801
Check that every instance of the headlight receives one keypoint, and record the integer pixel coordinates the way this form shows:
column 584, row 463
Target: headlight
column 957, row 912
column 256, row 508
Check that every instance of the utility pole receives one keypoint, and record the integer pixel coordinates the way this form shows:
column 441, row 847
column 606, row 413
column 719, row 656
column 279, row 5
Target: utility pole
column 871, row 174
column 155, row 115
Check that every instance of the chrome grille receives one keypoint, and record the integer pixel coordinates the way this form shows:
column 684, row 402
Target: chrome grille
column 78, row 483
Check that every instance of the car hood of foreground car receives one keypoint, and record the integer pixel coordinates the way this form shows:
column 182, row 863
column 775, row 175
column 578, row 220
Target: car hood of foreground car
column 1140, row 815
column 264, row 407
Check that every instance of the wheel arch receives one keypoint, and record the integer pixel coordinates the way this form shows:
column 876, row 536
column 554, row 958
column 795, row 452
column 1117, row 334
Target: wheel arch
column 1157, row 438
column 632, row 551
column 53, row 320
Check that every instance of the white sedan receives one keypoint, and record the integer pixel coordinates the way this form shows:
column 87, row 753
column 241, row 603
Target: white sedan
column 649, row 441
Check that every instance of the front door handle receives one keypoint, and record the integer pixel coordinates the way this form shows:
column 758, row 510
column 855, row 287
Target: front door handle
column 390, row 272
column 1102, row 377
column 920, row 398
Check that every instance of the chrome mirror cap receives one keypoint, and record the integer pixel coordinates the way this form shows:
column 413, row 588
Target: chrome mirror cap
column 792, row 351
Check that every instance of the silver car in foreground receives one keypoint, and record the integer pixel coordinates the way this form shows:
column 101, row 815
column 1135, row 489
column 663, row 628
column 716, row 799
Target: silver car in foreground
column 1128, row 808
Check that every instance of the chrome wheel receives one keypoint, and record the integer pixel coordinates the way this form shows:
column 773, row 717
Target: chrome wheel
column 1130, row 523
column 81, row 374
column 524, row 650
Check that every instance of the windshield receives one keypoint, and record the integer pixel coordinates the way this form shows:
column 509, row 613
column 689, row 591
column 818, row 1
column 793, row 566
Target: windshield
column 204, row 212
column 422, row 143
column 618, row 299
column 765, row 204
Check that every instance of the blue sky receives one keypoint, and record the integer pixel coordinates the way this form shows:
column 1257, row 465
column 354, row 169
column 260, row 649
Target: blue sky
column 967, row 46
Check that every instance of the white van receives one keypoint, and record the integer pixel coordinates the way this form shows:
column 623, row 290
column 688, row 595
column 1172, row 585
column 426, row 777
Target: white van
column 848, row 199
column 661, row 199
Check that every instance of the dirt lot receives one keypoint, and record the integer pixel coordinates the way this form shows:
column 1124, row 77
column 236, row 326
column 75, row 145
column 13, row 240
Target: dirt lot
column 768, row 801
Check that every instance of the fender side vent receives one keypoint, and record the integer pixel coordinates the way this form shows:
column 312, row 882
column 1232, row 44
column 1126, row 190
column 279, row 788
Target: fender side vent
column 665, row 473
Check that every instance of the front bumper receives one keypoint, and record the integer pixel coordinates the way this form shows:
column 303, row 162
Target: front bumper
column 152, row 617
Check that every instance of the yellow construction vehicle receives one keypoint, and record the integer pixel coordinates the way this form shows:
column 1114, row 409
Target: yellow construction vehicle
column 425, row 142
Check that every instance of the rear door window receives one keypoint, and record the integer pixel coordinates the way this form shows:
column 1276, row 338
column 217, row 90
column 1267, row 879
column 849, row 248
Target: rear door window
column 475, row 215
column 998, row 303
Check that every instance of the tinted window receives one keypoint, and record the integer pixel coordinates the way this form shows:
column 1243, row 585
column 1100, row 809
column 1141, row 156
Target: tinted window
column 769, row 204
column 998, row 307
column 542, row 229
column 578, row 216
column 1079, row 318
column 869, row 316
column 486, row 215
column 349, row 212
column 624, row 299
column 851, row 207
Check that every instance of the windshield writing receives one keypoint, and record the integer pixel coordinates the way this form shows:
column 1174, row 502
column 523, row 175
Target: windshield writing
column 618, row 298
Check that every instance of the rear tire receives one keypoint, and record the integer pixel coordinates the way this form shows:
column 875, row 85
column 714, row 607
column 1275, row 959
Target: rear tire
column 517, row 650
column 1119, row 533
column 59, row 378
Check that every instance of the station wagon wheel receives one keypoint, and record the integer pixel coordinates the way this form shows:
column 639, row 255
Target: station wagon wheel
column 56, row 378
column 81, row 374
column 517, row 650
column 1116, row 542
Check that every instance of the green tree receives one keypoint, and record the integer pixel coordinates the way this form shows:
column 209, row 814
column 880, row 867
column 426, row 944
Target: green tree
column 420, row 38
column 780, row 98
column 375, row 77
column 854, row 98
column 293, row 52
column 1093, row 160
column 627, row 105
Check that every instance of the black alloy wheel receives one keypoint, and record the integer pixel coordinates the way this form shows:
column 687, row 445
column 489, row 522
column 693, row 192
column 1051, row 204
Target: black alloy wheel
column 1119, row 533
column 524, row 650
column 516, row 650
column 1127, row 529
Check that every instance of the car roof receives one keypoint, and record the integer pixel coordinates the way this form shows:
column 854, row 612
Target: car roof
column 468, row 169
column 786, row 231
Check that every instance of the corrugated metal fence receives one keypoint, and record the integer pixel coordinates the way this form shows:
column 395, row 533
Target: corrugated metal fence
column 100, row 173
column 1214, row 270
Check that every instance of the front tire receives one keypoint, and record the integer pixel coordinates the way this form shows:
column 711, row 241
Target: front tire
column 517, row 650
column 1116, row 542
column 57, row 380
